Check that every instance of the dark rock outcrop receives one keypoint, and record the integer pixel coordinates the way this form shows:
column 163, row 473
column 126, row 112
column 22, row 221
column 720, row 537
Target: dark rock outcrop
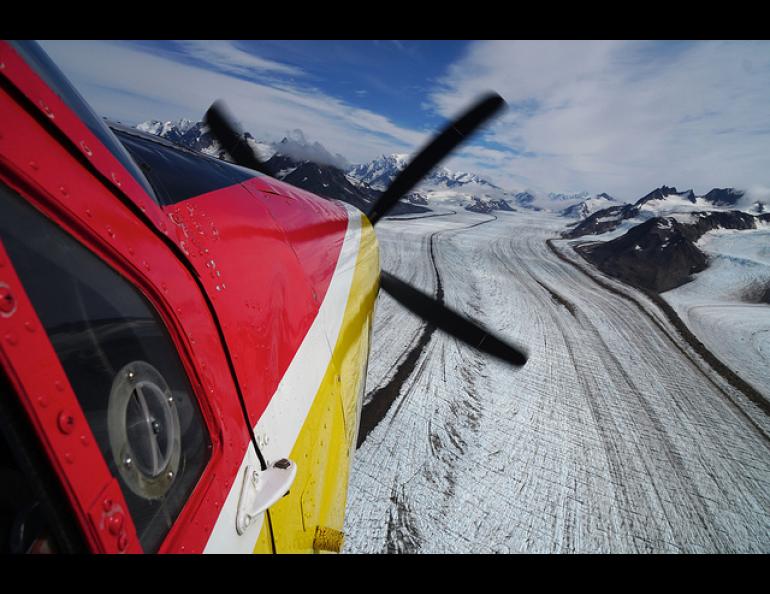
column 602, row 221
column 723, row 196
column 663, row 191
column 660, row 254
column 655, row 255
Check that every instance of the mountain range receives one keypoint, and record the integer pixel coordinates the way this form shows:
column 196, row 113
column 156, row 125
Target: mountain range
column 309, row 165
column 662, row 253
column 653, row 243
column 312, row 167
column 381, row 172
column 663, row 201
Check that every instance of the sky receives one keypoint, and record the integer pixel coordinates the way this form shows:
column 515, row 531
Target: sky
column 621, row 117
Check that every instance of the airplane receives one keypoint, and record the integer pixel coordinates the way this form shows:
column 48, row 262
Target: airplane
column 183, row 340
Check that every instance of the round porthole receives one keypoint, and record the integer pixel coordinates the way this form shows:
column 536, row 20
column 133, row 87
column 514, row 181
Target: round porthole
column 143, row 425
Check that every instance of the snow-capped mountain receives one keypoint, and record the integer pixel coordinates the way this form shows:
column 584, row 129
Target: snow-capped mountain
column 196, row 136
column 487, row 206
column 590, row 205
column 665, row 202
column 555, row 202
column 559, row 197
column 298, row 148
column 311, row 166
column 380, row 173
column 292, row 163
column 454, row 179
column 442, row 187
column 295, row 160
column 173, row 131
column 662, row 252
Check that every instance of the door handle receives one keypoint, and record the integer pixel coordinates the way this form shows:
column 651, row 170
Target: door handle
column 261, row 489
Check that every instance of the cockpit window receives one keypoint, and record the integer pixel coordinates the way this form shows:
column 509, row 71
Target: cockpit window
column 39, row 61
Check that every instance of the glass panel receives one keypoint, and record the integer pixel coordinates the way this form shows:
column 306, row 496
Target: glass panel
column 39, row 61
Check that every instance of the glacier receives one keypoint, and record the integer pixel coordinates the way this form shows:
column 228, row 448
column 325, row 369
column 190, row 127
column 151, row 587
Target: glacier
column 615, row 437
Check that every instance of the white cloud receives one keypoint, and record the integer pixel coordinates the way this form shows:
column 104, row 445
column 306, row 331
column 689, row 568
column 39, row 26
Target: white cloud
column 132, row 85
column 226, row 55
column 620, row 117
column 623, row 117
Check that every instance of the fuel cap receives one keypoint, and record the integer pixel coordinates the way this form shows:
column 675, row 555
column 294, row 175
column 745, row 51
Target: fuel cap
column 144, row 430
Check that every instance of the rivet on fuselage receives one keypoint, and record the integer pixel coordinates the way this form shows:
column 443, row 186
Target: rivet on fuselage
column 66, row 422
column 7, row 301
column 45, row 108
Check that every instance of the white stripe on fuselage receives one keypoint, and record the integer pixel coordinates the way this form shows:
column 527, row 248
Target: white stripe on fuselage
column 279, row 426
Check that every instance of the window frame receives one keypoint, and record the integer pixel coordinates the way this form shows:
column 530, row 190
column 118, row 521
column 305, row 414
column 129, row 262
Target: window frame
column 48, row 157
column 116, row 290
column 23, row 381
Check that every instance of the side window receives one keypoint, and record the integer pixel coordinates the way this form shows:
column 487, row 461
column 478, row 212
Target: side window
column 121, row 363
column 35, row 516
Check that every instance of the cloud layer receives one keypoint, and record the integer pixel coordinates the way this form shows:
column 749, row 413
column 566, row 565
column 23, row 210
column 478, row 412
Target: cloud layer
column 623, row 117
column 132, row 84
column 602, row 116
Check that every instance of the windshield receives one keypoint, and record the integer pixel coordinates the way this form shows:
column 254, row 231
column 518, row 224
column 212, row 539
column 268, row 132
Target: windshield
column 39, row 61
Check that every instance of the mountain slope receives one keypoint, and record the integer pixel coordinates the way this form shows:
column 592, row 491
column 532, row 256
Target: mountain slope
column 589, row 205
column 661, row 202
column 660, row 253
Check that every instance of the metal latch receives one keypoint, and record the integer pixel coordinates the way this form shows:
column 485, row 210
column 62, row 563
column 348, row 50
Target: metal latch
column 261, row 489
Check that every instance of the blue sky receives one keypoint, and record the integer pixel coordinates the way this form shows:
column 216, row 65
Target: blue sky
column 386, row 76
column 602, row 116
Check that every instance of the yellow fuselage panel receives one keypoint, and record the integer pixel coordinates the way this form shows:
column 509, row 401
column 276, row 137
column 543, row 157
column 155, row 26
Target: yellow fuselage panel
column 313, row 512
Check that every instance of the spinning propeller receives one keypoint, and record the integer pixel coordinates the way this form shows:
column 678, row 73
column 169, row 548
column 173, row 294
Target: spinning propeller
column 430, row 309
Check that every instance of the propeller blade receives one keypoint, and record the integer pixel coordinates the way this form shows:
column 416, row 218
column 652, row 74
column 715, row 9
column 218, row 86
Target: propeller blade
column 431, row 155
column 454, row 324
column 230, row 137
